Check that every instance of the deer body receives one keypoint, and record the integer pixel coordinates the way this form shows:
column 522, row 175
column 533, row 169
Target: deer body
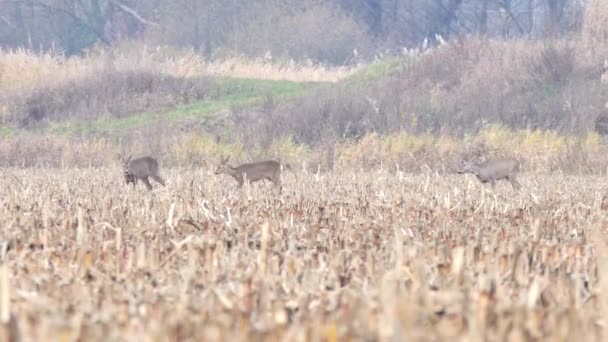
column 141, row 168
column 266, row 169
column 493, row 170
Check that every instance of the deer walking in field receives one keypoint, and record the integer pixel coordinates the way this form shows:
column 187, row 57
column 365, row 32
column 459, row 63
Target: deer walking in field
column 493, row 170
column 267, row 169
column 141, row 168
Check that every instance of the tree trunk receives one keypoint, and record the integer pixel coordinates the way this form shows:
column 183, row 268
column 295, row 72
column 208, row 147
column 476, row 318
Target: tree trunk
column 530, row 18
column 483, row 18
column 555, row 13
column 21, row 30
column 448, row 17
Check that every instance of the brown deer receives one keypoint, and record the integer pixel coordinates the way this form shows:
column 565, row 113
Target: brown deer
column 141, row 168
column 493, row 170
column 266, row 169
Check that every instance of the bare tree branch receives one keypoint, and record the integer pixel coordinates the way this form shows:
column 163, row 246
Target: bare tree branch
column 509, row 12
column 133, row 13
column 4, row 19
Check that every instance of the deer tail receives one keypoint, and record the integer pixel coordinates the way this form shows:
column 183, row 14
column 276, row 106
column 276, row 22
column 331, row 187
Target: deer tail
column 159, row 179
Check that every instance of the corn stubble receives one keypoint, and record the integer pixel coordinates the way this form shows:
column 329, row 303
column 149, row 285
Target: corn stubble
column 350, row 256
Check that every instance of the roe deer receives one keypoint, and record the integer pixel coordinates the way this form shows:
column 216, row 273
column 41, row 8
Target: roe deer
column 266, row 169
column 493, row 170
column 141, row 168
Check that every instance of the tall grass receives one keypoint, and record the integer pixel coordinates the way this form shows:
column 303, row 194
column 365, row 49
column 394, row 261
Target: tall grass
column 118, row 82
column 22, row 70
column 541, row 151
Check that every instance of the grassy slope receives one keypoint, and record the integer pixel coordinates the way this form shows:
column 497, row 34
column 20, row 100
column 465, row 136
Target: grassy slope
column 379, row 70
column 227, row 93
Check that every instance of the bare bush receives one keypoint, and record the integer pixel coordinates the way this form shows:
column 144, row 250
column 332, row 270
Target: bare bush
column 114, row 94
column 454, row 89
column 554, row 65
column 323, row 112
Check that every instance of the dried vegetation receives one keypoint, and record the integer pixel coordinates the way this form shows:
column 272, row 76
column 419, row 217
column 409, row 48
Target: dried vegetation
column 355, row 255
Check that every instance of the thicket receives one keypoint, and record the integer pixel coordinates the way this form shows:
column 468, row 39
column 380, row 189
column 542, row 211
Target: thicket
column 455, row 89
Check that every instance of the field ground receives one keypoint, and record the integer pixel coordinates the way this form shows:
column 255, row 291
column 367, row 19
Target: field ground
column 359, row 256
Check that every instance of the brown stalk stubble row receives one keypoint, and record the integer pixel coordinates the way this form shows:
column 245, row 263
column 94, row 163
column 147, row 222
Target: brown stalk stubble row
column 342, row 256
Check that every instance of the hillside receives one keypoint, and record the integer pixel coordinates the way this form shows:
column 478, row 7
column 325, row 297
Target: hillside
column 420, row 111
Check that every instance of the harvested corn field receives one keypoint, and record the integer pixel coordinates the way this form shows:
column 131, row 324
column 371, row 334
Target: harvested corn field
column 348, row 256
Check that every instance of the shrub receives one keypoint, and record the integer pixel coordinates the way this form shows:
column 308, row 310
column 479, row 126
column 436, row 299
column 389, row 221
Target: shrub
column 554, row 64
column 454, row 89
column 112, row 93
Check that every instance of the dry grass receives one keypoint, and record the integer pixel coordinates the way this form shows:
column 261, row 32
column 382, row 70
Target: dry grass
column 339, row 256
column 540, row 151
column 21, row 70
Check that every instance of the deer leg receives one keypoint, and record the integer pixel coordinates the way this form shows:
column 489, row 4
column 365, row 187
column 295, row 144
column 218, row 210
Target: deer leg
column 147, row 182
column 510, row 180
column 159, row 179
column 276, row 182
column 514, row 183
